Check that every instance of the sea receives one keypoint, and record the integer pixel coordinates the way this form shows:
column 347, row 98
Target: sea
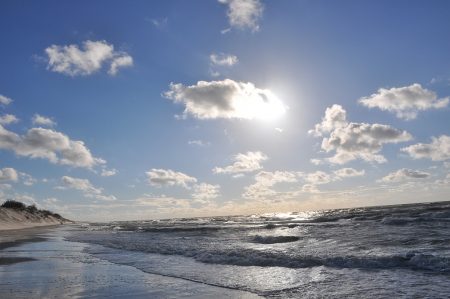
column 400, row 251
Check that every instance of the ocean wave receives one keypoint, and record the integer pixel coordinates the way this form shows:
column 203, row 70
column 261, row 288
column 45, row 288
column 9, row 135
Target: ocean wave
column 392, row 220
column 273, row 258
column 429, row 262
column 274, row 239
column 415, row 261
column 397, row 220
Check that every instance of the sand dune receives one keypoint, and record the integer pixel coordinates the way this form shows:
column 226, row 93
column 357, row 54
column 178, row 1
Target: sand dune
column 18, row 219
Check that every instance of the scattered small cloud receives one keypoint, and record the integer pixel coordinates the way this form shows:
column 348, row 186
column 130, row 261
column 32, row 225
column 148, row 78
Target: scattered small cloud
column 226, row 99
column 159, row 23
column 318, row 178
column 27, row 179
column 168, row 177
column 335, row 118
column 310, row 188
column 205, row 191
column 162, row 203
column 348, row 172
column 352, row 141
column 8, row 175
column 437, row 150
column 279, row 130
column 85, row 186
column 244, row 14
column 265, row 180
column 5, row 100
column 316, row 161
column 200, row 143
column 8, row 119
column 243, row 163
column 50, row 200
column 120, row 62
column 48, row 144
column 403, row 174
column 405, row 102
column 108, row 172
column 222, row 59
column 42, row 121
column 214, row 73
column 73, row 60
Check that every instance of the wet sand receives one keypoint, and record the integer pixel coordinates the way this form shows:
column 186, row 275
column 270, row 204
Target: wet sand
column 39, row 263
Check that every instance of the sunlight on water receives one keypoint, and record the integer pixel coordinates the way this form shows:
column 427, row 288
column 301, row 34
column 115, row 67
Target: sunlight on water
column 281, row 254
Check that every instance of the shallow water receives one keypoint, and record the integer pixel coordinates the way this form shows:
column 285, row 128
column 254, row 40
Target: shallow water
column 51, row 267
column 401, row 251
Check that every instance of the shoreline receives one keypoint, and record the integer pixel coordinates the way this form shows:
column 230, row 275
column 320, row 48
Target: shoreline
column 21, row 226
column 39, row 263
column 17, row 237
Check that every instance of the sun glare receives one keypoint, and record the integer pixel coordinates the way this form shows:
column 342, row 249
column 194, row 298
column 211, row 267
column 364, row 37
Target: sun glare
column 271, row 109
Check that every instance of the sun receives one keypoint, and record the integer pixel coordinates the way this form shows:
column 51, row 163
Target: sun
column 270, row 108
column 262, row 105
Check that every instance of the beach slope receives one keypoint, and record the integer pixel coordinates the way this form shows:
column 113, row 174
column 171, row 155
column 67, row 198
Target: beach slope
column 26, row 218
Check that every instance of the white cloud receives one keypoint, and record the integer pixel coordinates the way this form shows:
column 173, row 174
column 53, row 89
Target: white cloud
column 279, row 130
column 162, row 203
column 351, row 141
column 405, row 102
column 214, row 73
column 50, row 200
column 85, row 186
column 316, row 161
column 318, row 178
column 271, row 178
column 226, row 99
column 43, row 121
column 8, row 119
column 159, row 23
column 199, row 143
column 80, row 184
column 205, row 191
column 262, row 189
column 5, row 100
column 265, row 180
column 93, row 55
column 27, row 179
column 437, row 150
column 223, row 59
column 335, row 117
column 244, row 14
column 48, row 144
column 167, row 177
column 403, row 174
column 258, row 192
column 348, row 172
column 248, row 162
column 8, row 174
column 120, row 62
column 310, row 188
column 108, row 172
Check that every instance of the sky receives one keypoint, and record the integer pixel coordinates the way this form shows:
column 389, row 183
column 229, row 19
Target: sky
column 127, row 110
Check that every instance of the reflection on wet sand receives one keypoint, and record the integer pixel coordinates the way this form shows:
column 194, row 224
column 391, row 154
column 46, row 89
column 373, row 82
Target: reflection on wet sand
column 51, row 267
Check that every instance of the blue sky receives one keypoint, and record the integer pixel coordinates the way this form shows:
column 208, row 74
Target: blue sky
column 156, row 109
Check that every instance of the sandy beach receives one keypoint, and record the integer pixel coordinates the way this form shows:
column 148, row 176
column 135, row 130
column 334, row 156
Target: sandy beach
column 40, row 263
